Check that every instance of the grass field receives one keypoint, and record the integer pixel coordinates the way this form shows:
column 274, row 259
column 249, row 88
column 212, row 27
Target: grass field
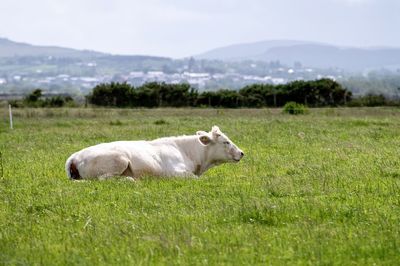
column 316, row 189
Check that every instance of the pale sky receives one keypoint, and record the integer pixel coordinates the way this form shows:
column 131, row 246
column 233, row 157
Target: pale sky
column 180, row 28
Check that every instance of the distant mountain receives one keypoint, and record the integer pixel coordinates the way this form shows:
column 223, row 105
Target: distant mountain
column 245, row 50
column 309, row 54
column 10, row 48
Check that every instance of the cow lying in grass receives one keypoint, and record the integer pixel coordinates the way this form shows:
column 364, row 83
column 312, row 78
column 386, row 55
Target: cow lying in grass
column 184, row 156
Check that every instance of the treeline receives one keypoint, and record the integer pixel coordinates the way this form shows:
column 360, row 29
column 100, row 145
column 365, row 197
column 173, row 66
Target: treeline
column 322, row 92
column 37, row 99
column 317, row 93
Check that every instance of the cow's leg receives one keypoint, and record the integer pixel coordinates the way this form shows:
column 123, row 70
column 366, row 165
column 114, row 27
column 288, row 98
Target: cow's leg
column 128, row 173
column 105, row 166
column 185, row 174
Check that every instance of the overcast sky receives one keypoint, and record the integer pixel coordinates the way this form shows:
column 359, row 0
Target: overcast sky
column 179, row 28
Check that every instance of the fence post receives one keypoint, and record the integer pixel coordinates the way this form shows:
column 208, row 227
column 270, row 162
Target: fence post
column 11, row 118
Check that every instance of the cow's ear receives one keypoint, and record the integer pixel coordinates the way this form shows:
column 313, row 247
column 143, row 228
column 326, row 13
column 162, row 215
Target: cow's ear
column 205, row 140
column 201, row 132
column 216, row 131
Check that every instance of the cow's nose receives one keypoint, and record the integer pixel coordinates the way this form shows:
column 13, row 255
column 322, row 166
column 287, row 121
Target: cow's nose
column 241, row 153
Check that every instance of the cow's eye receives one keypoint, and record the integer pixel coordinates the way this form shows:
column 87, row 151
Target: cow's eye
column 226, row 142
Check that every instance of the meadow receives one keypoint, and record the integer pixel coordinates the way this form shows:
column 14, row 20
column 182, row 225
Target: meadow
column 315, row 189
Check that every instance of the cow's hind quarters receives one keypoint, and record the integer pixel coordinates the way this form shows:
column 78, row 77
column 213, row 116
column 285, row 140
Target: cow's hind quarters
column 73, row 171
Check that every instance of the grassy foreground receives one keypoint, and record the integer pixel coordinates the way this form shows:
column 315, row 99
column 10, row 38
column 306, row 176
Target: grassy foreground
column 318, row 189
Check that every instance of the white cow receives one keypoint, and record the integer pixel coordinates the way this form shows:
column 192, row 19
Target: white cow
column 185, row 156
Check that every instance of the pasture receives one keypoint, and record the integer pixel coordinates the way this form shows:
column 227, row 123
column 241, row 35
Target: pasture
column 316, row 189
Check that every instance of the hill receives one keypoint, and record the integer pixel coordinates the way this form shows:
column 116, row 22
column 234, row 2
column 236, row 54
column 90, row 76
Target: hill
column 10, row 48
column 24, row 67
column 309, row 54
column 245, row 50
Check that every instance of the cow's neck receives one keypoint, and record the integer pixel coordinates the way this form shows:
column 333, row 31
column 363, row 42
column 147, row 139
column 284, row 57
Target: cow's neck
column 197, row 153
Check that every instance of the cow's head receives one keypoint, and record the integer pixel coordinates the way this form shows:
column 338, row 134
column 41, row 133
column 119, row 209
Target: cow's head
column 220, row 147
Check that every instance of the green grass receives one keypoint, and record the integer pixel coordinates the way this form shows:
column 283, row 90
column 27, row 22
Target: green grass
column 316, row 189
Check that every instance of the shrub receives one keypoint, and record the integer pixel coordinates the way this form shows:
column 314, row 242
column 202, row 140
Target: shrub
column 116, row 123
column 160, row 122
column 294, row 108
